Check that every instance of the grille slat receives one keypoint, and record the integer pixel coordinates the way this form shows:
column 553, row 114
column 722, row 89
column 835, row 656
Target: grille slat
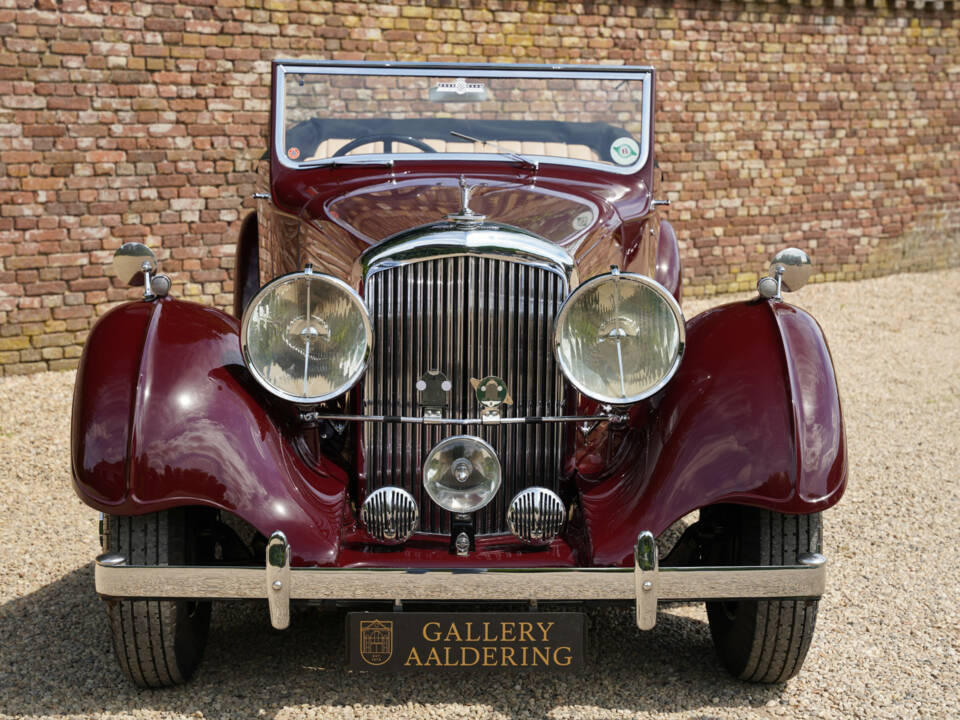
column 468, row 317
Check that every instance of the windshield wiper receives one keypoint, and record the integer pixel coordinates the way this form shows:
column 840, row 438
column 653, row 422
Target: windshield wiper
column 347, row 161
column 503, row 151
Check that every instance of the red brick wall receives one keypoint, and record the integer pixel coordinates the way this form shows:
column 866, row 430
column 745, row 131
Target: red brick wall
column 826, row 125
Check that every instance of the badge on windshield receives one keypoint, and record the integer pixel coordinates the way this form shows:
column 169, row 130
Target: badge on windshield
column 624, row 151
column 459, row 91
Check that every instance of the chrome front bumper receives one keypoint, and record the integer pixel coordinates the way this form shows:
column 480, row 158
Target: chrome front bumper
column 646, row 583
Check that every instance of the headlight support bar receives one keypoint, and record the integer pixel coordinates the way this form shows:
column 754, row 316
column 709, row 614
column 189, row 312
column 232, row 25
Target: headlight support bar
column 316, row 417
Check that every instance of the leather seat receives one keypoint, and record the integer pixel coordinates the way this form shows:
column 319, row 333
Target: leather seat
column 327, row 148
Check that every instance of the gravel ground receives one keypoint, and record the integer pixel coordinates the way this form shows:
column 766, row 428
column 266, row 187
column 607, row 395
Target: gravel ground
column 888, row 637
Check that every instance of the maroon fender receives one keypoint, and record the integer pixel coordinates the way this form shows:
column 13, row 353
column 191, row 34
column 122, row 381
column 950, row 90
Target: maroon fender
column 166, row 414
column 751, row 417
column 247, row 273
column 668, row 269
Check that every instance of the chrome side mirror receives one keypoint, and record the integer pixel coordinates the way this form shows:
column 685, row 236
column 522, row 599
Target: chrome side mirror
column 135, row 264
column 790, row 270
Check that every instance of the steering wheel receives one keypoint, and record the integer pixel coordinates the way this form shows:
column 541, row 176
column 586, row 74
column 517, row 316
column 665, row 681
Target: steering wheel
column 388, row 140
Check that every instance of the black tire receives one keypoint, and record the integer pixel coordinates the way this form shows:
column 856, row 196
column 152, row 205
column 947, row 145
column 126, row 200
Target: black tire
column 763, row 641
column 159, row 643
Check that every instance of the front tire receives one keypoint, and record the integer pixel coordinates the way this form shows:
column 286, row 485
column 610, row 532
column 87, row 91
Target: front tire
column 158, row 643
column 763, row 640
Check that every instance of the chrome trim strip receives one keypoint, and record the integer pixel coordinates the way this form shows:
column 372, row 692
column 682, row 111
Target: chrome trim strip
column 442, row 70
column 806, row 579
column 439, row 241
column 313, row 417
column 368, row 584
column 688, row 583
column 457, row 69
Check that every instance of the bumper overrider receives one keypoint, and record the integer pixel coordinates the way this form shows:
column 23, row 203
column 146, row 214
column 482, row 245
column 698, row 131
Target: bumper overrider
column 646, row 583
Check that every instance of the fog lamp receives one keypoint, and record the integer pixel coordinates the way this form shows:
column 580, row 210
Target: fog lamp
column 390, row 514
column 536, row 515
column 462, row 474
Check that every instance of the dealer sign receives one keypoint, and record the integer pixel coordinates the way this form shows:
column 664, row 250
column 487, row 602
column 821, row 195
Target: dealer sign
column 409, row 640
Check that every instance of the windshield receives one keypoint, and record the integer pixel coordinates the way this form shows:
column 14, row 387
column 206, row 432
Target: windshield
column 331, row 113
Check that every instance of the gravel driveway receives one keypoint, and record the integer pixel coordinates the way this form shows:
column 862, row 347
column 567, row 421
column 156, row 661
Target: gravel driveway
column 887, row 641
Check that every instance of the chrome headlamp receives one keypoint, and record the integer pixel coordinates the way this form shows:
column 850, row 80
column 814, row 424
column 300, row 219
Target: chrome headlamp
column 619, row 337
column 462, row 473
column 306, row 337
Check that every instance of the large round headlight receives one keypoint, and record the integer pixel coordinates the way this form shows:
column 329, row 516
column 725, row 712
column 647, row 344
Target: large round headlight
column 619, row 337
column 306, row 337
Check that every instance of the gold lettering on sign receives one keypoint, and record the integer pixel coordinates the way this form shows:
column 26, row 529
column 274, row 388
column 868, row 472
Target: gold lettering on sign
column 413, row 658
column 489, row 655
column 544, row 655
column 427, row 637
column 446, row 657
column 447, row 644
column 545, row 630
column 463, row 656
column 486, row 633
column 433, row 658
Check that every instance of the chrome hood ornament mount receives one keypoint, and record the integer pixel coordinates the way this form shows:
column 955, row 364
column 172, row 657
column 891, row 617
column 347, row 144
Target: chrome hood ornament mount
column 466, row 218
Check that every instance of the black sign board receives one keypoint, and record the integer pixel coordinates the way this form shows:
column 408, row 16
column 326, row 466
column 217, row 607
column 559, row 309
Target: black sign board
column 464, row 641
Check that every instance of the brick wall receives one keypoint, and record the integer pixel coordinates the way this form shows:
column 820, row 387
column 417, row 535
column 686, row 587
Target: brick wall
column 832, row 126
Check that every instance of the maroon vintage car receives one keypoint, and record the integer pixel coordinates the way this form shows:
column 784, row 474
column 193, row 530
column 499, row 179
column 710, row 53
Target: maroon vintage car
column 457, row 371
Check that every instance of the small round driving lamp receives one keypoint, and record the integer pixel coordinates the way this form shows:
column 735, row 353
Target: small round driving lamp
column 619, row 337
column 306, row 337
column 462, row 474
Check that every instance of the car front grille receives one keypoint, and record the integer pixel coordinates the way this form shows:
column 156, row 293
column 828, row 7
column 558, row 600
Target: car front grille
column 468, row 317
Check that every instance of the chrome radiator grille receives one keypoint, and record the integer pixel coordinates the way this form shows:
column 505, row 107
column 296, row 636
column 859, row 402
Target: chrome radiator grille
column 468, row 317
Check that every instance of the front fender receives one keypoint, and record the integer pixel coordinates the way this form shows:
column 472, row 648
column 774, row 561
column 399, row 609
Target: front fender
column 751, row 417
column 166, row 414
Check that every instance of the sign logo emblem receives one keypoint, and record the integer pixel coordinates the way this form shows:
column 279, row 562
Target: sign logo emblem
column 376, row 641
column 624, row 151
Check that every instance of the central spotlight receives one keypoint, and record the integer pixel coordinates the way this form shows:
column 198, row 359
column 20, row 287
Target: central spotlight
column 462, row 474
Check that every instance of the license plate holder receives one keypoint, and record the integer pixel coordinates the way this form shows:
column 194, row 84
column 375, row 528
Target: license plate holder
column 399, row 641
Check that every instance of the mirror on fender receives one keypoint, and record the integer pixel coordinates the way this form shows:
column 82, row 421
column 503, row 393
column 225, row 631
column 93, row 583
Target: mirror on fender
column 790, row 270
column 136, row 264
column 131, row 260
column 794, row 265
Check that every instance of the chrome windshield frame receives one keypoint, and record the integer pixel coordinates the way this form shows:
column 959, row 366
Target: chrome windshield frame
column 594, row 72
